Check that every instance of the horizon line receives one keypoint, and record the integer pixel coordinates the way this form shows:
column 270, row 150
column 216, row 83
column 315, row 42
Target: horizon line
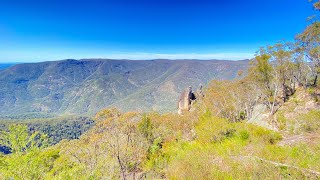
column 132, row 56
column 106, row 59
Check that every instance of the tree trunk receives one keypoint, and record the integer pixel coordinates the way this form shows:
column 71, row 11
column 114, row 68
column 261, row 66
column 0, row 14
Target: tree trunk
column 274, row 101
column 121, row 168
column 315, row 80
column 284, row 93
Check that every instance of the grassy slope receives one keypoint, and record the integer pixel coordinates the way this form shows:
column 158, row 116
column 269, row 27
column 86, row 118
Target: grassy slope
column 222, row 150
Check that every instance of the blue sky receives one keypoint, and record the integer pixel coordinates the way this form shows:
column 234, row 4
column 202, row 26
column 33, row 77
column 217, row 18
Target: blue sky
column 42, row 30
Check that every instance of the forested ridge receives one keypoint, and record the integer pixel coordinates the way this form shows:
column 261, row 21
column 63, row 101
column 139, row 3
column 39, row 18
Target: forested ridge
column 83, row 87
column 56, row 128
column 265, row 124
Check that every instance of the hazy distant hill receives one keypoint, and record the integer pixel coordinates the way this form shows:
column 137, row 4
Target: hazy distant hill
column 86, row 86
column 6, row 65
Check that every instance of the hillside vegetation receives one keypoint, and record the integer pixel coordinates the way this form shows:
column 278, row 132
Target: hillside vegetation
column 197, row 145
column 83, row 87
column 265, row 124
column 57, row 129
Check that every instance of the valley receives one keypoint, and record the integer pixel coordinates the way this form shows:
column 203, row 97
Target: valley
column 167, row 90
column 83, row 87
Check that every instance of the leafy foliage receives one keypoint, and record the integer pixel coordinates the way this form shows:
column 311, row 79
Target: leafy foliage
column 17, row 138
column 56, row 129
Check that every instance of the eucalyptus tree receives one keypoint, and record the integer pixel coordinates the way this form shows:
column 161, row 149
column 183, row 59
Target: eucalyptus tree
column 309, row 41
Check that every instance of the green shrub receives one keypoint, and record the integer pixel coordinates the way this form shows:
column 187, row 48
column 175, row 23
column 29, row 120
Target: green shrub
column 244, row 135
column 146, row 127
column 282, row 121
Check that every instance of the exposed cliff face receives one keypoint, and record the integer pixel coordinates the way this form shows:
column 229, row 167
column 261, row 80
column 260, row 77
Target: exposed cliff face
column 187, row 98
column 86, row 86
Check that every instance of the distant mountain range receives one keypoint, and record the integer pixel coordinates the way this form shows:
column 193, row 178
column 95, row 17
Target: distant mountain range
column 6, row 65
column 86, row 86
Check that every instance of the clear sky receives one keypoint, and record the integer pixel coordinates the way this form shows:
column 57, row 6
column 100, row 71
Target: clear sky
column 41, row 30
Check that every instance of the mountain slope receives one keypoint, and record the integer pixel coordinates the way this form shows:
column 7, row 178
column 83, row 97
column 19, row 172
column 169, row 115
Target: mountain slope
column 6, row 65
column 86, row 86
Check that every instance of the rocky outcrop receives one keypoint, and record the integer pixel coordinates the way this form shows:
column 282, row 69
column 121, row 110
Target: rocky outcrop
column 187, row 98
column 199, row 93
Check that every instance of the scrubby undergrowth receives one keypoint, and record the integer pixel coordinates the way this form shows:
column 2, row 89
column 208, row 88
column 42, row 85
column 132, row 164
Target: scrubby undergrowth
column 197, row 145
